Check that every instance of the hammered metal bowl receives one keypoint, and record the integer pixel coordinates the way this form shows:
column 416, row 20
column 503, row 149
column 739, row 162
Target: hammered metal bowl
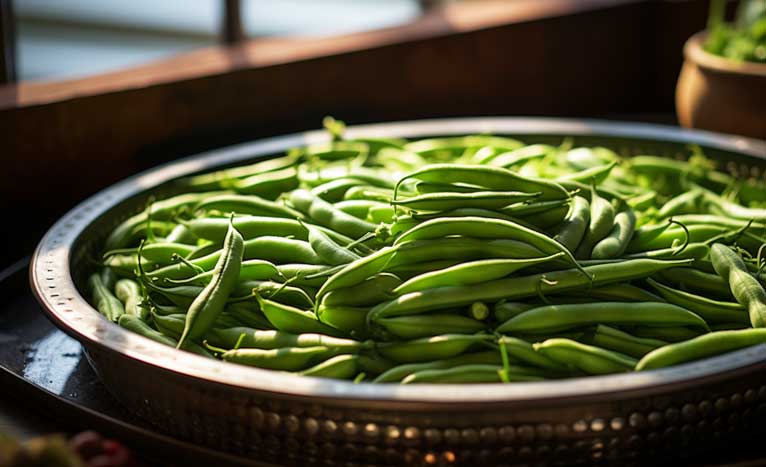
column 278, row 418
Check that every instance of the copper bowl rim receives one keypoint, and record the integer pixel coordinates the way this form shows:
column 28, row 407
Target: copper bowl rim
column 53, row 285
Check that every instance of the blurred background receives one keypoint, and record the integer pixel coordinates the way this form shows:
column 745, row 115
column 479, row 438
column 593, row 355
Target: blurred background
column 92, row 91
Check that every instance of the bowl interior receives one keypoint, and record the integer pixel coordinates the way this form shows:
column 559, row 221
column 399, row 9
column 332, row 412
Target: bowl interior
column 67, row 253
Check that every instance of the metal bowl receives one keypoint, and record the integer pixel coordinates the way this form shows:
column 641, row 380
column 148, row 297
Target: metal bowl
column 300, row 420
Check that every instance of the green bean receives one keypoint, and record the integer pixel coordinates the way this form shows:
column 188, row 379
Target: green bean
column 407, row 271
column 294, row 320
column 431, row 188
column 267, row 185
column 590, row 175
column 334, row 190
column 399, row 372
column 456, row 145
column 478, row 311
column 613, row 339
column 370, row 177
column 465, row 248
column 692, row 279
column 249, row 314
column 285, row 359
column 324, row 246
column 617, row 240
column 338, row 367
column 472, row 374
column 328, row 215
column 554, row 318
column 692, row 250
column 335, row 150
column 669, row 334
column 524, row 352
column 349, row 319
column 108, row 278
column 249, row 226
column 721, row 206
column 129, row 293
column 483, row 228
column 478, row 199
column 601, row 224
column 669, row 237
column 572, row 231
column 124, row 234
column 590, row 359
column 584, row 158
column 160, row 253
column 712, row 311
column 106, row 303
column 251, row 270
column 269, row 339
column 369, row 193
column 493, row 178
column 685, row 203
column 357, row 271
column 414, row 327
column 372, row 290
column 430, row 348
column 181, row 234
column 219, row 178
column 520, row 287
column 714, row 343
column 139, row 326
column 519, row 156
column 471, row 272
column 729, row 326
column 381, row 214
column 278, row 292
column 622, row 292
column 358, row 208
column 246, row 204
column 503, row 311
column 274, row 249
column 744, row 287
column 210, row 302
column 313, row 275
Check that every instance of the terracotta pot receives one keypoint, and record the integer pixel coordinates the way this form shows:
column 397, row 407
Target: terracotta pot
column 718, row 94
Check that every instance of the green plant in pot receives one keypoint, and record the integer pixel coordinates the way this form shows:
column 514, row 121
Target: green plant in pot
column 722, row 86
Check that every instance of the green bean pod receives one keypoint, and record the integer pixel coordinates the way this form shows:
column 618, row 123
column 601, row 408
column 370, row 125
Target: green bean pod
column 503, row 311
column 590, row 359
column 417, row 326
column 471, row 272
column 372, row 290
column 493, row 178
column 106, row 303
column 338, row 367
column 399, row 372
column 246, row 204
column 251, row 270
column 328, row 215
column 129, row 293
column 609, row 338
column 478, row 199
column 745, row 288
column 712, row 311
column 327, row 249
column 553, row 318
column 294, row 320
column 573, row 229
column 520, row 287
column 210, row 302
column 524, row 352
column 267, row 185
column 615, row 243
column 270, row 339
column 430, row 348
column 471, row 374
column 601, row 224
column 285, row 358
column 139, row 326
column 706, row 345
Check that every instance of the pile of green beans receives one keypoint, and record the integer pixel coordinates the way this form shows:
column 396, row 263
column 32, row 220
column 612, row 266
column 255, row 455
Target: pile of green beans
column 445, row 260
